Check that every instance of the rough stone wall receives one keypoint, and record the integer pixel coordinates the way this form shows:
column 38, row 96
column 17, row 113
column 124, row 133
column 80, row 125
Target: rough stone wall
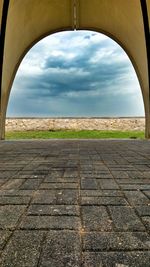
column 28, row 124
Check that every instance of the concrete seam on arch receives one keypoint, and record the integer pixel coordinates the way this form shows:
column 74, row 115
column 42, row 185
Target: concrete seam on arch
column 147, row 35
column 2, row 38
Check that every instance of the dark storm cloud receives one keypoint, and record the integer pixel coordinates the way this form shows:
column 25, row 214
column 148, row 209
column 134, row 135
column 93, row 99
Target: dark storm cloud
column 62, row 74
column 52, row 83
column 87, row 37
column 81, row 58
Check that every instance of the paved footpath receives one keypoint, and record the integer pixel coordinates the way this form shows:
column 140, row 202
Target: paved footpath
column 75, row 203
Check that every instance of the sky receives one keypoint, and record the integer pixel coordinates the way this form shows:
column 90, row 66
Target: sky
column 76, row 74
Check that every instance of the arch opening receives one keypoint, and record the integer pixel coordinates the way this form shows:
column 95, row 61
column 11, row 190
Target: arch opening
column 99, row 75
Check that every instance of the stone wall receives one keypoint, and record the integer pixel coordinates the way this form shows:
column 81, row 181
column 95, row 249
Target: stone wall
column 28, row 124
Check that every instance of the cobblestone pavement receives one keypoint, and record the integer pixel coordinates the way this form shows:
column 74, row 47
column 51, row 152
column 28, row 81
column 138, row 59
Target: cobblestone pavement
column 75, row 203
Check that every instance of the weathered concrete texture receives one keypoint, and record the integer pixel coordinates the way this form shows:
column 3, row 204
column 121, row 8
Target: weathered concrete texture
column 124, row 124
column 75, row 203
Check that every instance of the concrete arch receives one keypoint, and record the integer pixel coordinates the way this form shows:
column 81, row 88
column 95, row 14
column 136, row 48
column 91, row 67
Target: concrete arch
column 114, row 18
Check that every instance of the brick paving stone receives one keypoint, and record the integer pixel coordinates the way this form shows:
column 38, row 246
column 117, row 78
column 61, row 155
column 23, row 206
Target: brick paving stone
column 110, row 241
column 116, row 259
column 5, row 174
column 59, row 186
column 22, row 250
column 136, row 198
column 2, row 181
column 141, row 167
column 9, row 215
column 12, row 184
column 104, row 176
column 29, row 175
column 120, row 174
column 96, row 218
column 108, row 184
column 143, row 210
column 57, row 174
column 13, row 192
column 101, row 168
column 20, row 200
column 87, row 175
column 146, row 174
column 147, row 193
column 134, row 186
column 100, row 193
column 4, row 235
column 125, row 219
column 133, row 181
column 63, row 251
column 60, row 180
column 31, row 184
column 123, row 169
column 146, row 220
column 136, row 174
column 51, row 222
column 59, row 197
column 70, row 173
column 103, row 201
column 54, row 210
column 87, row 183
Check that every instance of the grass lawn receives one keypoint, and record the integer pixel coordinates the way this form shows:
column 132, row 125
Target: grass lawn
column 84, row 134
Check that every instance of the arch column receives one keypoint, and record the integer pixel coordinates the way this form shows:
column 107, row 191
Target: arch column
column 4, row 104
column 147, row 125
column 2, row 124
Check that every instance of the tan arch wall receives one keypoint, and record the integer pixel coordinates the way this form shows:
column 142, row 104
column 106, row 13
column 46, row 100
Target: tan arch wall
column 30, row 20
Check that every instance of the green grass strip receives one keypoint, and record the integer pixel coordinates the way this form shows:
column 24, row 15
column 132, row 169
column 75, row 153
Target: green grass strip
column 84, row 134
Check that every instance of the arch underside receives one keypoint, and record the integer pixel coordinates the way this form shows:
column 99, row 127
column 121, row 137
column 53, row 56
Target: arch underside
column 30, row 21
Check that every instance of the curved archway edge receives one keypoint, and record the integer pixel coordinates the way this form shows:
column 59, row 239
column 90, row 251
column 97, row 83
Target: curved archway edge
column 19, row 49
